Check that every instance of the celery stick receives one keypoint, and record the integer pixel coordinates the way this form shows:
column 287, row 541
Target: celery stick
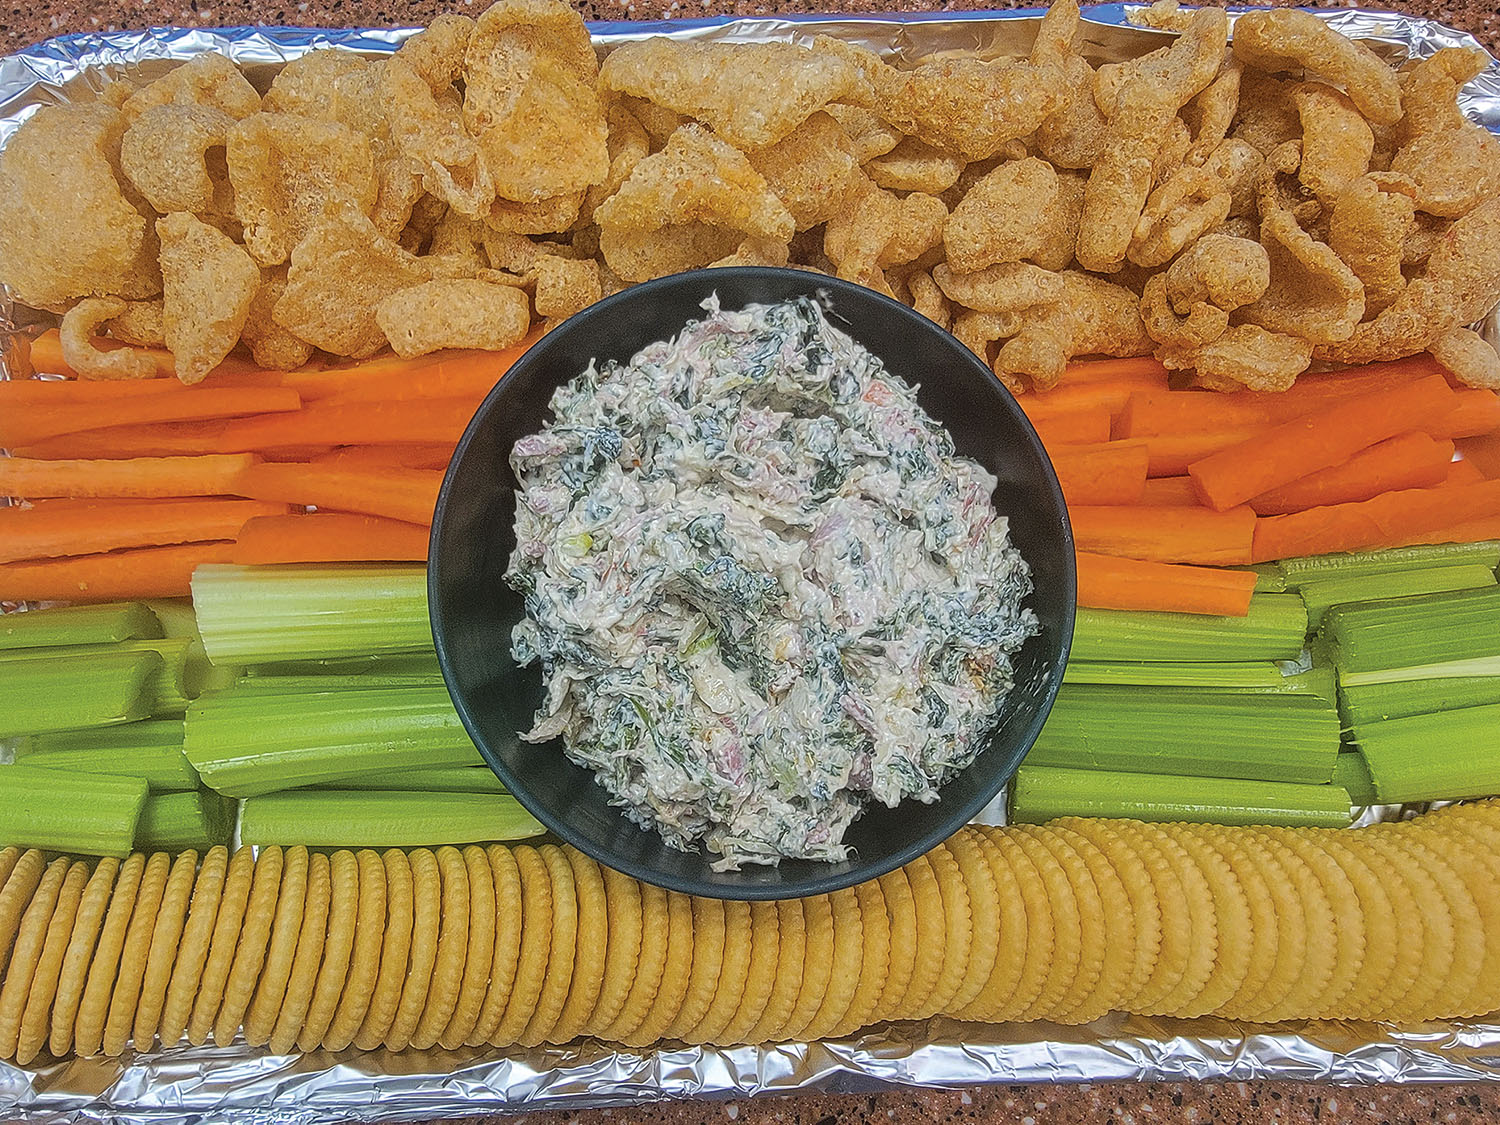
column 383, row 819
column 1039, row 794
column 1322, row 594
column 1370, row 703
column 1442, row 756
column 176, row 616
column 50, row 693
column 94, row 814
column 1402, row 632
column 1198, row 733
column 175, row 822
column 1353, row 775
column 151, row 749
column 244, row 745
column 400, row 664
column 1359, row 564
column 168, row 686
column 1478, row 667
column 200, row 675
column 1258, row 676
column 453, row 779
column 77, row 625
column 251, row 614
column 284, row 685
column 1268, row 578
column 1274, row 629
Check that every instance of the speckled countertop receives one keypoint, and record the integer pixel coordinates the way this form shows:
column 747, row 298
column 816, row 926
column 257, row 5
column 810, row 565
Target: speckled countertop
column 1239, row 1103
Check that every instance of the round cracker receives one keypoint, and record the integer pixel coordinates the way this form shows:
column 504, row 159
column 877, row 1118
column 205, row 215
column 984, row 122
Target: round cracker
column 227, row 921
column 652, row 960
column 1480, row 831
column 426, row 922
column 1067, row 931
column 1316, row 965
column 88, row 1028
column 132, row 974
column 1140, row 892
column 452, row 950
column 1415, row 928
column 395, row 951
column 875, row 961
column 559, row 974
column 309, row 957
column 1115, row 927
column 481, row 949
column 1202, row 925
column 269, row 989
column 958, row 917
column 1234, row 922
column 9, row 857
column 1454, row 997
column 709, row 927
column 731, row 984
column 80, row 955
column 192, row 946
column 1264, row 926
column 1010, row 940
column 817, row 966
column 1040, row 933
column 791, row 957
column 844, row 973
column 357, row 984
column 1427, row 949
column 984, row 911
column 1291, row 928
column 36, row 1016
column 760, row 975
column 622, row 901
column 1482, row 874
column 15, row 897
column 1078, row 1002
column 338, row 944
column 590, row 952
column 901, row 919
column 26, row 954
column 535, row 947
column 1348, row 921
column 932, row 941
column 255, row 935
column 1382, row 935
column 506, row 879
column 676, row 973
column 165, row 936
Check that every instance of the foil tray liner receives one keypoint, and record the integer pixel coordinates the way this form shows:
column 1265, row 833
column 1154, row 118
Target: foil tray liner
column 240, row 1084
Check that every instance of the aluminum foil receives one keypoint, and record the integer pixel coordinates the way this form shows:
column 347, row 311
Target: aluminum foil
column 246, row 1085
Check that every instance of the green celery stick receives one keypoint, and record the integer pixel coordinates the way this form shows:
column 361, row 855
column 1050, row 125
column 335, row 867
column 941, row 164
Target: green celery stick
column 1363, row 564
column 1274, row 629
column 1257, row 676
column 400, row 664
column 451, row 779
column 285, row 685
column 49, row 692
column 1353, row 775
column 1403, row 632
column 177, row 822
column 1322, row 594
column 1370, row 703
column 77, row 625
column 168, row 686
column 383, row 819
column 59, row 810
column 1268, row 578
column 176, row 616
column 1039, row 794
column 1436, row 757
column 150, row 749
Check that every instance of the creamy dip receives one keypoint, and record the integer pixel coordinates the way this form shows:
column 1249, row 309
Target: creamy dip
column 762, row 588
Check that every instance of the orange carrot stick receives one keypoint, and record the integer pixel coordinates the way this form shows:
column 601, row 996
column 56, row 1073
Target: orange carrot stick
column 1475, row 413
column 1319, row 440
column 1471, row 531
column 163, row 439
column 1169, row 492
column 412, row 456
column 1172, row 535
column 46, row 356
column 1105, row 582
column 1077, row 427
column 1462, row 472
column 49, row 533
column 1387, row 520
column 1111, row 473
column 329, row 537
column 358, row 423
column 154, row 572
column 1066, row 399
column 1483, row 453
column 140, row 476
column 1143, row 370
column 1407, row 461
column 399, row 494
column 451, row 374
column 34, row 424
column 1169, row 455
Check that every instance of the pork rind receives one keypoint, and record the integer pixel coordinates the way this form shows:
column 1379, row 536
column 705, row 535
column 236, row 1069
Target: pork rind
column 810, row 170
column 1286, row 39
column 308, row 85
column 429, row 132
column 697, row 178
column 81, row 324
column 530, row 100
column 1073, row 135
column 289, row 172
column 565, row 286
column 1010, row 287
column 164, row 155
column 1336, row 140
column 869, row 136
column 207, row 286
column 1006, row 217
column 545, row 216
column 751, row 94
column 1220, row 270
column 1368, row 228
column 1452, row 162
column 437, row 52
column 140, row 324
column 271, row 345
column 1189, row 329
column 640, row 255
column 928, row 298
column 980, row 331
column 629, row 144
column 453, row 313
column 1190, row 203
column 461, row 240
column 1210, row 114
column 1313, row 294
column 1092, row 316
column 915, row 166
column 1056, row 249
column 1266, row 115
column 658, row 121
column 756, row 252
column 209, row 79
column 1247, row 356
column 66, row 227
column 1238, row 165
column 875, row 230
column 1471, row 359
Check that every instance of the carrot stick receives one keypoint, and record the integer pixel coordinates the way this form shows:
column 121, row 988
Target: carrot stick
column 164, row 439
column 1407, row 461
column 1105, row 582
column 1077, row 427
column 1144, row 370
column 1169, row 492
column 1111, row 473
column 1064, row 399
column 1475, row 413
column 329, row 537
column 1483, row 453
column 1470, row 531
column 35, row 424
column 140, row 476
column 451, row 374
column 46, row 356
column 40, row 533
column 399, row 494
column 1172, row 535
column 154, row 572
column 358, row 423
column 1463, row 472
column 410, row 456
column 1392, row 518
column 1169, row 455
column 1319, row 440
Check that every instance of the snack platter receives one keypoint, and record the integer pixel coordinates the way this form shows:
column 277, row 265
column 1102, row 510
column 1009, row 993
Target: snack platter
column 242, row 1083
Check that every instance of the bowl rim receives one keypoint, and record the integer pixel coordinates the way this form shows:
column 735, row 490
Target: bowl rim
column 855, row 871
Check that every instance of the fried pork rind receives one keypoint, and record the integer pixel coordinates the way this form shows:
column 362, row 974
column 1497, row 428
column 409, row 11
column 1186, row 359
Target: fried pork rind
column 1221, row 270
column 1453, row 162
column 453, row 313
column 1210, row 113
column 81, row 324
column 271, row 345
column 1193, row 327
column 426, row 213
column 565, row 286
column 530, row 100
column 915, row 166
column 289, row 172
column 875, row 230
column 428, row 132
column 1006, row 217
column 751, row 94
column 629, row 144
column 1007, row 288
column 640, row 255
column 1163, row 15
column 1238, row 164
column 437, row 52
column 1190, row 203
column 810, row 170
column 1091, row 317
column 1279, row 189
column 1423, row 238
column 1368, row 228
column 1266, row 115
column 1056, row 250
column 140, row 324
column 207, row 285
column 514, row 253
column 460, row 241
column 1073, row 135
column 697, row 178
column 868, row 135
column 545, row 216
column 66, row 228
column 1147, row 103
column 1247, row 356
column 1312, row 294
column 1471, row 359
column 979, row 331
column 757, row 252
column 658, row 121
column 164, row 155
column 1286, row 39
column 1336, row 140
column 928, row 299
column 209, row 79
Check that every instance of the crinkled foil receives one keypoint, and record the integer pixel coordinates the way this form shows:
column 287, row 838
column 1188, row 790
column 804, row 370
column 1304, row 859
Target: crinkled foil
column 240, row 1084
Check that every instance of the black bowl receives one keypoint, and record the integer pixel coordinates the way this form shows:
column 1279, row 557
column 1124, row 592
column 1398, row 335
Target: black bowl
column 473, row 609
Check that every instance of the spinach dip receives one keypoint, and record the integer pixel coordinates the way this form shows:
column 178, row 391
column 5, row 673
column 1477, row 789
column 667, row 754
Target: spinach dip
column 762, row 588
